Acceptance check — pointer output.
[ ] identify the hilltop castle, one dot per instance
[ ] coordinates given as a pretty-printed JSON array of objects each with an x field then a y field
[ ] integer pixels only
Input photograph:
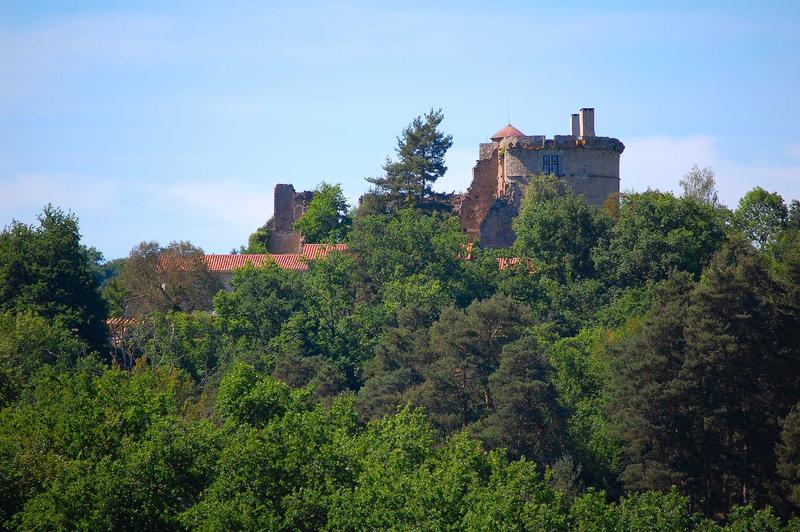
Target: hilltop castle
[{"x": 588, "y": 163}]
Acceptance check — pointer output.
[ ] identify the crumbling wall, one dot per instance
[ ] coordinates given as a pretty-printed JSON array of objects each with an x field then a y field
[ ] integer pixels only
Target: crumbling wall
[
  {"x": 481, "y": 193},
  {"x": 495, "y": 229},
  {"x": 283, "y": 217},
  {"x": 289, "y": 207}
]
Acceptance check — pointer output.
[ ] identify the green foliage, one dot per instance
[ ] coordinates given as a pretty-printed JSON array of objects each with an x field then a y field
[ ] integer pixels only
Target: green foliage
[
  {"x": 190, "y": 341},
  {"x": 623, "y": 378},
  {"x": 326, "y": 218},
  {"x": 115, "y": 296},
  {"x": 258, "y": 241},
  {"x": 331, "y": 322},
  {"x": 556, "y": 227},
  {"x": 66, "y": 425},
  {"x": 108, "y": 450},
  {"x": 525, "y": 416},
  {"x": 656, "y": 233},
  {"x": 393, "y": 248},
  {"x": 788, "y": 454},
  {"x": 582, "y": 370},
  {"x": 684, "y": 386},
  {"x": 471, "y": 369},
  {"x": 245, "y": 396},
  {"x": 27, "y": 342},
  {"x": 45, "y": 270},
  {"x": 761, "y": 215},
  {"x": 421, "y": 149},
  {"x": 261, "y": 300}
]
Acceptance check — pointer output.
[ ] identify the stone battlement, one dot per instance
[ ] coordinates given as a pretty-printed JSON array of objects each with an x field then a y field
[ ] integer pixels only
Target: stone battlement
[{"x": 558, "y": 142}]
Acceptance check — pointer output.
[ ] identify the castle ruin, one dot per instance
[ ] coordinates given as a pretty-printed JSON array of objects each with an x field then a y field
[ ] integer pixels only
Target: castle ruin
[
  {"x": 588, "y": 163},
  {"x": 289, "y": 207}
]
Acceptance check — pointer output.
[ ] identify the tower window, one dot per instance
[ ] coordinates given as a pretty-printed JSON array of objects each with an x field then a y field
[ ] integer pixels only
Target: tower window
[{"x": 551, "y": 164}]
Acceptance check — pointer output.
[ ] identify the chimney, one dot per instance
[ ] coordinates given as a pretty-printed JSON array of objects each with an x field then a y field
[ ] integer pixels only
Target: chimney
[
  {"x": 575, "y": 124},
  {"x": 587, "y": 121}
]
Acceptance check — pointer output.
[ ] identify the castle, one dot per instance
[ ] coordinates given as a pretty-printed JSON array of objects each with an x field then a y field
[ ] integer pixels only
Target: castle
[
  {"x": 289, "y": 207},
  {"x": 588, "y": 163}
]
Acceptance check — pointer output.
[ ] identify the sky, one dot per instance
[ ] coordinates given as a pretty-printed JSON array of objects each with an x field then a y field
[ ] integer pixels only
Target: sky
[{"x": 174, "y": 120}]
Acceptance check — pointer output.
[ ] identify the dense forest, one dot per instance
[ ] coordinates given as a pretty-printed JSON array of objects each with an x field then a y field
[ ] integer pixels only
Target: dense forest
[{"x": 631, "y": 367}]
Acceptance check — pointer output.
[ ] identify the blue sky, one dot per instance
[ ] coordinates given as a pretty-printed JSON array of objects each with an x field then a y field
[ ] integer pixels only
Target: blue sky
[{"x": 174, "y": 120}]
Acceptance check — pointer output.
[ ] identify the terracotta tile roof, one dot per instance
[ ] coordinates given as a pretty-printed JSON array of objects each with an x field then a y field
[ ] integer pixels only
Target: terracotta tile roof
[
  {"x": 299, "y": 261},
  {"x": 223, "y": 263},
  {"x": 320, "y": 251},
  {"x": 228, "y": 263},
  {"x": 508, "y": 131},
  {"x": 120, "y": 322},
  {"x": 290, "y": 261},
  {"x": 287, "y": 261}
]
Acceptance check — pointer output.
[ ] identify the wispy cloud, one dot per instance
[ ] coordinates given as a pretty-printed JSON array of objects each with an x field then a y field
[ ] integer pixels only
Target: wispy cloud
[
  {"x": 115, "y": 214},
  {"x": 660, "y": 162}
]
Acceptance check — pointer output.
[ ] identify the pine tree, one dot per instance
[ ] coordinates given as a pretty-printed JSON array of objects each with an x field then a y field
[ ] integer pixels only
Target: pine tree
[{"x": 421, "y": 148}]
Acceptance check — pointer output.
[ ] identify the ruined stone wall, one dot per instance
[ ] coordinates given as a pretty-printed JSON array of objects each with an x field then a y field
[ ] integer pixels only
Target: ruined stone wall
[
  {"x": 590, "y": 165},
  {"x": 289, "y": 207},
  {"x": 285, "y": 242},
  {"x": 481, "y": 193},
  {"x": 283, "y": 217},
  {"x": 495, "y": 229}
]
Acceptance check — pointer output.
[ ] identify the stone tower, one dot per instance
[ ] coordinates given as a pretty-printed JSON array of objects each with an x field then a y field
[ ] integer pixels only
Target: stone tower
[
  {"x": 588, "y": 163},
  {"x": 289, "y": 207}
]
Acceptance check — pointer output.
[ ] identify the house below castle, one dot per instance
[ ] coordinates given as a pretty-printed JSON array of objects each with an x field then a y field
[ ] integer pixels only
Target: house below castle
[{"x": 588, "y": 163}]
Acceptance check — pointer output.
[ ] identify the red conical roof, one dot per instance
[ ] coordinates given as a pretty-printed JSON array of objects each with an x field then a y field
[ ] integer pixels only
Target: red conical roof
[{"x": 508, "y": 131}]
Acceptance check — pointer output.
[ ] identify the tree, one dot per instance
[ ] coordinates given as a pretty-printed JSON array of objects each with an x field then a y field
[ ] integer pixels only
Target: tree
[
  {"x": 557, "y": 227},
  {"x": 330, "y": 321},
  {"x": 445, "y": 368},
  {"x": 326, "y": 218},
  {"x": 698, "y": 394},
  {"x": 761, "y": 216},
  {"x": 395, "y": 247},
  {"x": 646, "y": 406},
  {"x": 656, "y": 233},
  {"x": 700, "y": 184},
  {"x": 260, "y": 302},
  {"x": 526, "y": 417},
  {"x": 743, "y": 364},
  {"x": 421, "y": 148},
  {"x": 46, "y": 270},
  {"x": 27, "y": 342},
  {"x": 245, "y": 396},
  {"x": 190, "y": 341},
  {"x": 174, "y": 278},
  {"x": 788, "y": 454},
  {"x": 258, "y": 241}
]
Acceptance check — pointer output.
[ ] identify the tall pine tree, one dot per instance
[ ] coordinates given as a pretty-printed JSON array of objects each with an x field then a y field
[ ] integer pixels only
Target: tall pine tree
[{"x": 421, "y": 148}]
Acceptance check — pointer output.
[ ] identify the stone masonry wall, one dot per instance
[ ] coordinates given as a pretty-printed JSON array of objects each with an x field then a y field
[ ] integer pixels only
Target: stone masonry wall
[
  {"x": 289, "y": 207},
  {"x": 589, "y": 164},
  {"x": 480, "y": 195},
  {"x": 283, "y": 217}
]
